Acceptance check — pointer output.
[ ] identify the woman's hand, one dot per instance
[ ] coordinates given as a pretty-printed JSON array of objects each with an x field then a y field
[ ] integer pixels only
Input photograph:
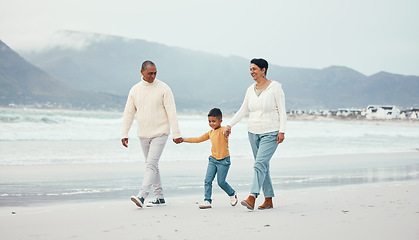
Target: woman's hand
[
  {"x": 124, "y": 142},
  {"x": 227, "y": 131},
  {"x": 280, "y": 138}
]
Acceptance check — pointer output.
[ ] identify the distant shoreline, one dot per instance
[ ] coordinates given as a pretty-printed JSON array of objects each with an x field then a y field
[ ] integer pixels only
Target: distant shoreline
[
  {"x": 309, "y": 117},
  {"x": 28, "y": 185},
  {"x": 290, "y": 117}
]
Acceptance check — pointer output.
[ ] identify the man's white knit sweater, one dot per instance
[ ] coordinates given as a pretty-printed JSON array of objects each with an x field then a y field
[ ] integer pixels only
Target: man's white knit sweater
[{"x": 154, "y": 105}]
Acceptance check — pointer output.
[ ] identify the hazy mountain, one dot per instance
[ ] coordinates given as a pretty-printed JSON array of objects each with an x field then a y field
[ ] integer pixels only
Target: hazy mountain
[
  {"x": 390, "y": 88},
  {"x": 111, "y": 64},
  {"x": 23, "y": 83},
  {"x": 200, "y": 80}
]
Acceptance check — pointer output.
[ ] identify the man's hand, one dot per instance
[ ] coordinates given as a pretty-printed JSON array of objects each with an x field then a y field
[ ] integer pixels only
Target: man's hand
[
  {"x": 280, "y": 138},
  {"x": 178, "y": 140},
  {"x": 227, "y": 131},
  {"x": 124, "y": 142}
]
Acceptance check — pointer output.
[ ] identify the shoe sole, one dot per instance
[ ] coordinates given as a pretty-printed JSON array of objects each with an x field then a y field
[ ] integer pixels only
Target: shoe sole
[
  {"x": 156, "y": 205},
  {"x": 263, "y": 208},
  {"x": 138, "y": 203},
  {"x": 244, "y": 203},
  {"x": 236, "y": 200},
  {"x": 204, "y": 207}
]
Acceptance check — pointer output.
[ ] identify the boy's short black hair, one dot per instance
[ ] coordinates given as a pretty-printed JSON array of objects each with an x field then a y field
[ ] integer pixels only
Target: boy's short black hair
[{"x": 215, "y": 112}]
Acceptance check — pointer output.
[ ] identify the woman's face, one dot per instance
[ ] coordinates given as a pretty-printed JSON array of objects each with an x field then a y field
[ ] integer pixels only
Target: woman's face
[{"x": 256, "y": 72}]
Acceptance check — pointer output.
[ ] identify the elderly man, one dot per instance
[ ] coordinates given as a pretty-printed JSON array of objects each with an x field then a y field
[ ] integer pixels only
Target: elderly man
[{"x": 153, "y": 103}]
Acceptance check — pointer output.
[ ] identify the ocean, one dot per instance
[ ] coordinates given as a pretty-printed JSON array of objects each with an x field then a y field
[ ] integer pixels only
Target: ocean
[{"x": 309, "y": 156}]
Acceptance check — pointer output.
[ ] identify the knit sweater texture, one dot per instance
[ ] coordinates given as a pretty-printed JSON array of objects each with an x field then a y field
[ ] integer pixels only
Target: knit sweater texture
[
  {"x": 154, "y": 105},
  {"x": 267, "y": 111},
  {"x": 219, "y": 149}
]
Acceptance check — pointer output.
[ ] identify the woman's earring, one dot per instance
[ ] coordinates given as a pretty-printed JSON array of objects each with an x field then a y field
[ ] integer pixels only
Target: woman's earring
[{"x": 263, "y": 76}]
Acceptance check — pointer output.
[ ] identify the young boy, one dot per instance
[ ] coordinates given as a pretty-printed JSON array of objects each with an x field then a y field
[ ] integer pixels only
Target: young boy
[{"x": 219, "y": 161}]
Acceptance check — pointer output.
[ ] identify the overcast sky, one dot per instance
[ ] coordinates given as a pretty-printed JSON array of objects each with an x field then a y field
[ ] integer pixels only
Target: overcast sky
[{"x": 366, "y": 35}]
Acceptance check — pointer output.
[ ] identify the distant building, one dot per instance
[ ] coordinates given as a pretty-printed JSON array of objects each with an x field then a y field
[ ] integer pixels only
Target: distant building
[
  {"x": 382, "y": 112},
  {"x": 413, "y": 113},
  {"x": 332, "y": 113},
  {"x": 371, "y": 112},
  {"x": 325, "y": 113},
  {"x": 345, "y": 112},
  {"x": 295, "y": 112}
]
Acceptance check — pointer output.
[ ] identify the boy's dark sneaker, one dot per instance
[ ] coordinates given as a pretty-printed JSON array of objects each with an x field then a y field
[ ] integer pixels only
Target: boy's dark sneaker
[
  {"x": 156, "y": 203},
  {"x": 138, "y": 201}
]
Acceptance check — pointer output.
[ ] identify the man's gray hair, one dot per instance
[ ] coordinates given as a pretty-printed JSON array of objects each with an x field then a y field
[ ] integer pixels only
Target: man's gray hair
[{"x": 146, "y": 64}]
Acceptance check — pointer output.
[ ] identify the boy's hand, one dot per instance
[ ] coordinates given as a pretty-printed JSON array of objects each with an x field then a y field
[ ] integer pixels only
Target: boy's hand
[
  {"x": 227, "y": 131},
  {"x": 178, "y": 140}
]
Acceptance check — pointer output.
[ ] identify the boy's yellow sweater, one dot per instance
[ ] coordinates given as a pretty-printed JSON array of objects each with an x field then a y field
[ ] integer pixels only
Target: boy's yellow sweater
[{"x": 219, "y": 149}]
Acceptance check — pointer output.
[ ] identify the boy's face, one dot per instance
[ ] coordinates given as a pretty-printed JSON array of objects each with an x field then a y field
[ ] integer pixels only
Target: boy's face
[{"x": 214, "y": 122}]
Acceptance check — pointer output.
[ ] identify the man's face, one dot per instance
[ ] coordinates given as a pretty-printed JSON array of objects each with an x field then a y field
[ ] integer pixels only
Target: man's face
[{"x": 149, "y": 74}]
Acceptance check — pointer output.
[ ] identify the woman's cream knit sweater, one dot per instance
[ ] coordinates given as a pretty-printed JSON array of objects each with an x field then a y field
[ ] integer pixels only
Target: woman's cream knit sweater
[{"x": 267, "y": 111}]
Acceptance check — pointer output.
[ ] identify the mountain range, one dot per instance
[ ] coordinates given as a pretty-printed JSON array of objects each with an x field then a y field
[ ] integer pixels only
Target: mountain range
[
  {"x": 104, "y": 66},
  {"x": 22, "y": 83}
]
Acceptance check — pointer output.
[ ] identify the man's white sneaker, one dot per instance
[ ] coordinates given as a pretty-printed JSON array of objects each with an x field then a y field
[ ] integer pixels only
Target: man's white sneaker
[
  {"x": 138, "y": 201},
  {"x": 233, "y": 200},
  {"x": 205, "y": 205}
]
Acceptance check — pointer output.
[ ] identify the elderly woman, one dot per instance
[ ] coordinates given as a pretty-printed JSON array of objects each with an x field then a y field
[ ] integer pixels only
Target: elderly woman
[{"x": 266, "y": 128}]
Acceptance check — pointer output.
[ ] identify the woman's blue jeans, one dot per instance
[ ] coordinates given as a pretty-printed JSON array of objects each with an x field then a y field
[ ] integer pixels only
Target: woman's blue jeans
[
  {"x": 263, "y": 147},
  {"x": 219, "y": 168}
]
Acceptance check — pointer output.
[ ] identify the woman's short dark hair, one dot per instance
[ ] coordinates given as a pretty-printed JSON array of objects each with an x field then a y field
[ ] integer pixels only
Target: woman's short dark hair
[
  {"x": 215, "y": 112},
  {"x": 261, "y": 63}
]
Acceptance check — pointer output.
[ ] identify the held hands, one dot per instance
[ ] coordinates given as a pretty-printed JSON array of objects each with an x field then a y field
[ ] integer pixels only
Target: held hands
[
  {"x": 178, "y": 140},
  {"x": 227, "y": 131}
]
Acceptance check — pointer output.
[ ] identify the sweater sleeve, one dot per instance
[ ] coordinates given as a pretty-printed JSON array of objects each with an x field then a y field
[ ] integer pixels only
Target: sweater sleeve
[
  {"x": 282, "y": 112},
  {"x": 170, "y": 107},
  {"x": 242, "y": 112},
  {"x": 129, "y": 114},
  {"x": 202, "y": 138}
]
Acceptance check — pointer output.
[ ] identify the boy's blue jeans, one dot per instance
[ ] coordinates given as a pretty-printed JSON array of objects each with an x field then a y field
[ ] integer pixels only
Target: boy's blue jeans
[
  {"x": 219, "y": 168},
  {"x": 263, "y": 147}
]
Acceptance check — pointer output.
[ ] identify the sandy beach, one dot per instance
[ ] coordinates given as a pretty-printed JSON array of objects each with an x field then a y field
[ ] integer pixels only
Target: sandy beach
[
  {"x": 369, "y": 211},
  {"x": 370, "y": 205}
]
